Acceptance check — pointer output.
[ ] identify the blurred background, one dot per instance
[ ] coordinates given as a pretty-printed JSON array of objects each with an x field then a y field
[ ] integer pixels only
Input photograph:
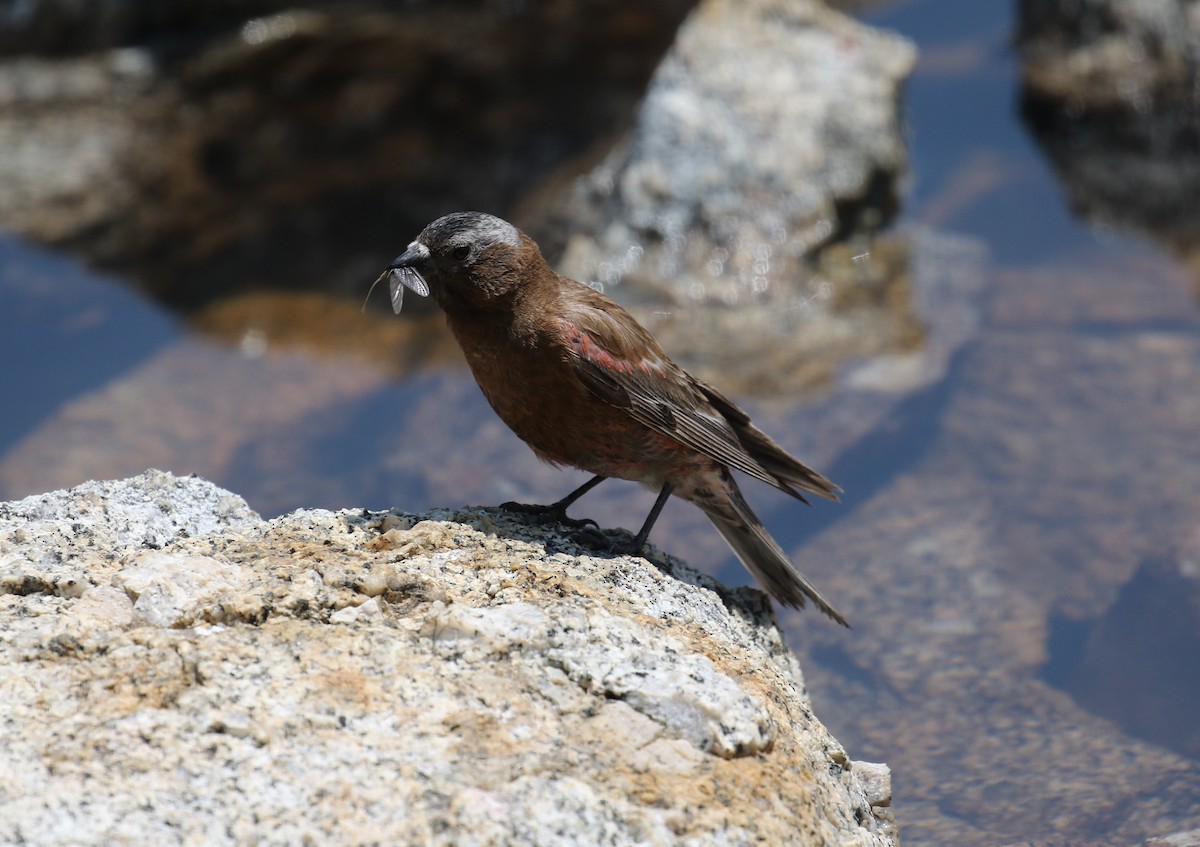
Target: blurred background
[{"x": 945, "y": 252}]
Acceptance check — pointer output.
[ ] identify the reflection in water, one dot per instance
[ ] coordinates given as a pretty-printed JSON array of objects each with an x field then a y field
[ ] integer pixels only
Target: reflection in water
[
  {"x": 63, "y": 330},
  {"x": 1136, "y": 664}
]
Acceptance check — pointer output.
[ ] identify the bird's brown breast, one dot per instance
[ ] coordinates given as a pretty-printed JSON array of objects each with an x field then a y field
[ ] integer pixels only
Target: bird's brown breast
[{"x": 522, "y": 367}]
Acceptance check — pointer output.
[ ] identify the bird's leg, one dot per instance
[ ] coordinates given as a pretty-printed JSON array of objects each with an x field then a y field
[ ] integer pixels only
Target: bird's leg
[
  {"x": 557, "y": 512},
  {"x": 639, "y": 540}
]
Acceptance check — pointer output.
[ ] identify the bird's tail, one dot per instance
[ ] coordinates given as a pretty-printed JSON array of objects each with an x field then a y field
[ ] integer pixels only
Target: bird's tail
[{"x": 757, "y": 550}]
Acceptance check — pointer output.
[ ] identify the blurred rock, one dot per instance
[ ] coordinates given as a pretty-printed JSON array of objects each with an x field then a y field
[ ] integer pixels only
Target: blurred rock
[
  {"x": 1121, "y": 53},
  {"x": 69, "y": 128},
  {"x": 207, "y": 154},
  {"x": 770, "y": 131},
  {"x": 450, "y": 678},
  {"x": 301, "y": 149},
  {"x": 1109, "y": 91}
]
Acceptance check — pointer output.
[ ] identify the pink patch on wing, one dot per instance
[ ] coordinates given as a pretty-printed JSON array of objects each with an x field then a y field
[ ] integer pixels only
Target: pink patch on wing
[{"x": 588, "y": 349}]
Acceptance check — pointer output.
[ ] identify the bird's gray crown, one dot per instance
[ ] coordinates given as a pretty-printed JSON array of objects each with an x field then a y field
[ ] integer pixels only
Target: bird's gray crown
[{"x": 473, "y": 228}]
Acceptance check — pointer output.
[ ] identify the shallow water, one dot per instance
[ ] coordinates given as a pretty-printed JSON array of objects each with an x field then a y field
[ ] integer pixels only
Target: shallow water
[
  {"x": 1019, "y": 542},
  {"x": 1022, "y": 542}
]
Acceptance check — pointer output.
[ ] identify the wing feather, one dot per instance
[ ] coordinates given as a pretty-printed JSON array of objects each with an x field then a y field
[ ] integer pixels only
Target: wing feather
[{"x": 622, "y": 364}]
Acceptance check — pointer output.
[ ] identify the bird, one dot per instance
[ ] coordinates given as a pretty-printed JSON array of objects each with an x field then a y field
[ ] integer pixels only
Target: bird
[{"x": 583, "y": 384}]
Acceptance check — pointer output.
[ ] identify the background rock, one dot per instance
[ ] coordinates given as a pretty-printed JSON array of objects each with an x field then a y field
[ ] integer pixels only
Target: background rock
[
  {"x": 213, "y": 155},
  {"x": 1109, "y": 90},
  {"x": 769, "y": 131},
  {"x": 454, "y": 678},
  {"x": 209, "y": 152}
]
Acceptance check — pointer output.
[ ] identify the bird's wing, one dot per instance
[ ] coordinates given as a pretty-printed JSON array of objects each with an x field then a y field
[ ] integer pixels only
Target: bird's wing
[
  {"x": 769, "y": 455},
  {"x": 622, "y": 364}
]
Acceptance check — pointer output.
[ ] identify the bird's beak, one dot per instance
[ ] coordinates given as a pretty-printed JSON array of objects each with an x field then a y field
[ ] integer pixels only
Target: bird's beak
[
  {"x": 405, "y": 272},
  {"x": 416, "y": 255}
]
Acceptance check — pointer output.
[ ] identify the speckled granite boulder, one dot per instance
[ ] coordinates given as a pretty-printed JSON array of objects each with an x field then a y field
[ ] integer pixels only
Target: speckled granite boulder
[{"x": 177, "y": 670}]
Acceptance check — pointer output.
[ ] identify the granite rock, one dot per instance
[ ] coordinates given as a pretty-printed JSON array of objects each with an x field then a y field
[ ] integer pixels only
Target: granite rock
[{"x": 448, "y": 678}]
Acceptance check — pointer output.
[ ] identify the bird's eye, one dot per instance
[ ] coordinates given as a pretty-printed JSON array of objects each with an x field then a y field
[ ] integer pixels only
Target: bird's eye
[{"x": 461, "y": 253}]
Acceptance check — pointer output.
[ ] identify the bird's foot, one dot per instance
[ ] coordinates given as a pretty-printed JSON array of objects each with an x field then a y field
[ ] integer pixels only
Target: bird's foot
[{"x": 553, "y": 513}]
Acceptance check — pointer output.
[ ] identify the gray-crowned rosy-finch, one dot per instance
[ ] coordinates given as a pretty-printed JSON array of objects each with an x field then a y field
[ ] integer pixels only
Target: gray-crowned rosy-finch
[{"x": 580, "y": 381}]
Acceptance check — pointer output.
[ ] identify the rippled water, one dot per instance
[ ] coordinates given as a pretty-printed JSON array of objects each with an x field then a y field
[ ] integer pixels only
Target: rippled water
[{"x": 1019, "y": 545}]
